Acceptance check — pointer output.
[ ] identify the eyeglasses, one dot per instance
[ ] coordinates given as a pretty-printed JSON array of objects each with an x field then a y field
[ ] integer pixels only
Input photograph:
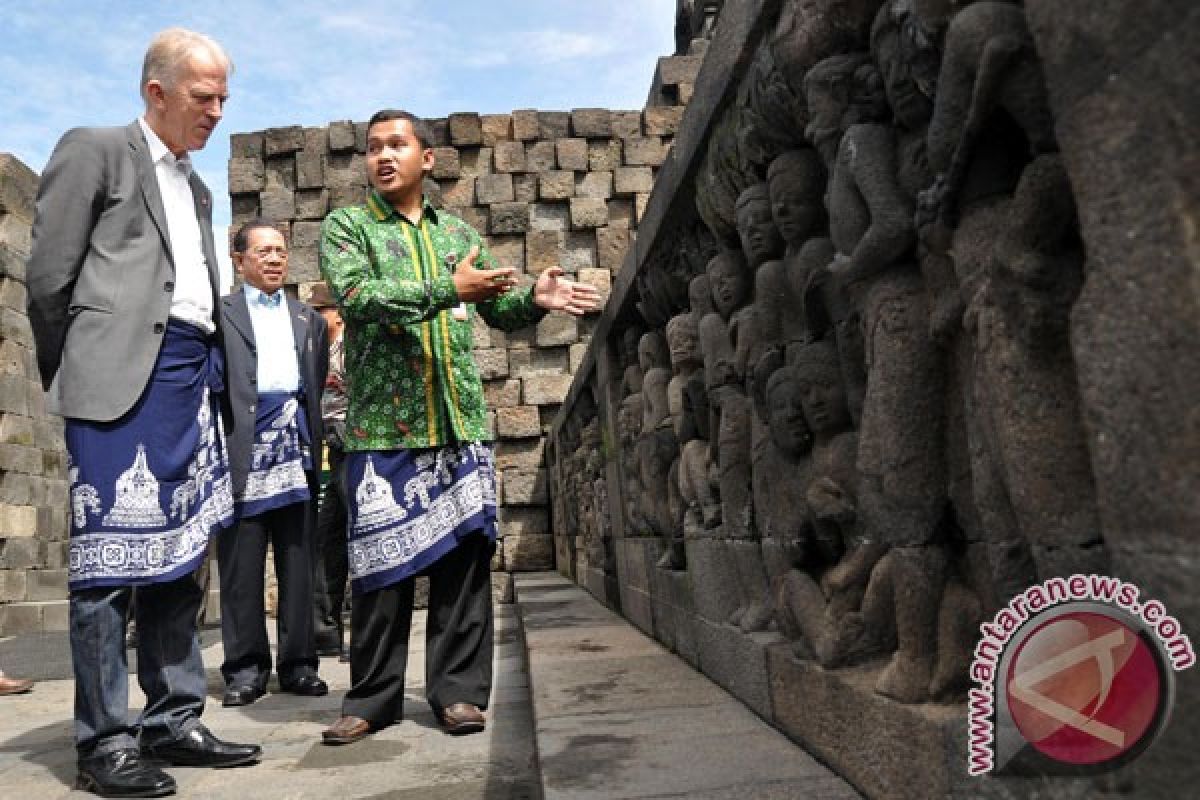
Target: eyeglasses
[{"x": 264, "y": 252}]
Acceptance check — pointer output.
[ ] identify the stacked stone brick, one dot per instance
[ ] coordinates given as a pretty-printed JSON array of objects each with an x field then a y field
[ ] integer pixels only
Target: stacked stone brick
[
  {"x": 545, "y": 188},
  {"x": 33, "y": 486}
]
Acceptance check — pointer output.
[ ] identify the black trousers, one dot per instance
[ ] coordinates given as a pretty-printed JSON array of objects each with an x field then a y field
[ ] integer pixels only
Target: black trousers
[
  {"x": 332, "y": 569},
  {"x": 458, "y": 638},
  {"x": 242, "y": 557}
]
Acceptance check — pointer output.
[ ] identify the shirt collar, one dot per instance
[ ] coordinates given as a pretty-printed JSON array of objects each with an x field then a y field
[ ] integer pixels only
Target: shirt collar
[
  {"x": 256, "y": 297},
  {"x": 159, "y": 151},
  {"x": 382, "y": 210}
]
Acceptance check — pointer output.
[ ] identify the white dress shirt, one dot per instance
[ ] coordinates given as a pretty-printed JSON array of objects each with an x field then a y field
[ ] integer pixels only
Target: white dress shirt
[
  {"x": 192, "y": 298},
  {"x": 278, "y": 364}
]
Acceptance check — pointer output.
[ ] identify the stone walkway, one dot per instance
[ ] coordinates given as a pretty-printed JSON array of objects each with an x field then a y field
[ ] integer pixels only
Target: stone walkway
[{"x": 612, "y": 714}]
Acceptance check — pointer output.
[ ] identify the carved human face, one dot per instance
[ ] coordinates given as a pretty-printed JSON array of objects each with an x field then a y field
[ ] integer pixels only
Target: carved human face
[
  {"x": 785, "y": 417},
  {"x": 684, "y": 342},
  {"x": 700, "y": 296},
  {"x": 730, "y": 285},
  {"x": 797, "y": 205},
  {"x": 827, "y": 101},
  {"x": 824, "y": 402},
  {"x": 908, "y": 62},
  {"x": 651, "y": 352},
  {"x": 756, "y": 230}
]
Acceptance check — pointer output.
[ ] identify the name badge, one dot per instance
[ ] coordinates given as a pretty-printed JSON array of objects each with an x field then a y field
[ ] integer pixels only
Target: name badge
[{"x": 459, "y": 312}]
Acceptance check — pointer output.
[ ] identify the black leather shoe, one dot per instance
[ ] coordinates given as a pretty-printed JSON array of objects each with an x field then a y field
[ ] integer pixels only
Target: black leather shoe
[
  {"x": 199, "y": 748},
  {"x": 306, "y": 686},
  {"x": 123, "y": 773},
  {"x": 240, "y": 695}
]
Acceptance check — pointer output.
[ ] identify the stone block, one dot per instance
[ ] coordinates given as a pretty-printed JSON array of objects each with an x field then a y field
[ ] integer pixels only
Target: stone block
[
  {"x": 712, "y": 572},
  {"x": 439, "y": 131},
  {"x": 549, "y": 217},
  {"x": 525, "y": 488},
  {"x": 46, "y": 585},
  {"x": 280, "y": 172},
  {"x": 246, "y": 145},
  {"x": 592, "y": 123},
  {"x": 542, "y": 250},
  {"x": 631, "y": 180},
  {"x": 246, "y": 175},
  {"x": 306, "y": 234},
  {"x": 503, "y": 587},
  {"x": 601, "y": 279},
  {"x": 19, "y": 458},
  {"x": 459, "y": 192},
  {"x": 576, "y": 354},
  {"x": 640, "y": 201},
  {"x": 544, "y": 390},
  {"x": 20, "y": 553},
  {"x": 347, "y": 196},
  {"x": 17, "y": 520},
  {"x": 525, "y": 187},
  {"x": 588, "y": 212},
  {"x": 20, "y": 618},
  {"x": 283, "y": 140},
  {"x": 310, "y": 169},
  {"x": 13, "y": 293},
  {"x": 56, "y": 616},
  {"x": 445, "y": 163},
  {"x": 626, "y": 124},
  {"x": 509, "y": 156},
  {"x": 16, "y": 236},
  {"x": 525, "y": 125},
  {"x": 509, "y": 251},
  {"x": 504, "y": 393},
  {"x": 360, "y": 138},
  {"x": 475, "y": 216},
  {"x": 16, "y": 429},
  {"x": 621, "y": 213},
  {"x": 737, "y": 662},
  {"x": 662, "y": 120},
  {"x": 594, "y": 184},
  {"x": 611, "y": 247},
  {"x": 674, "y": 613},
  {"x": 516, "y": 422},
  {"x": 496, "y": 188},
  {"x": 244, "y": 208},
  {"x": 578, "y": 251},
  {"x": 495, "y": 128},
  {"x": 341, "y": 136},
  {"x": 556, "y": 330},
  {"x": 466, "y": 129},
  {"x": 12, "y": 585},
  {"x": 520, "y": 454},
  {"x": 554, "y": 125},
  {"x": 523, "y": 361},
  {"x": 572, "y": 154},
  {"x": 493, "y": 363},
  {"x": 14, "y": 394},
  {"x": 277, "y": 204},
  {"x": 316, "y": 140},
  {"x": 556, "y": 185},
  {"x": 540, "y": 157},
  {"x": 529, "y": 553},
  {"x": 312, "y": 203},
  {"x": 475, "y": 160},
  {"x": 645, "y": 151},
  {"x": 604, "y": 155},
  {"x": 509, "y": 218},
  {"x": 345, "y": 170}
]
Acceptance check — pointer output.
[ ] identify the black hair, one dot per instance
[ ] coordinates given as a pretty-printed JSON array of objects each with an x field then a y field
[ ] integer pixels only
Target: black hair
[
  {"x": 419, "y": 126},
  {"x": 241, "y": 239}
]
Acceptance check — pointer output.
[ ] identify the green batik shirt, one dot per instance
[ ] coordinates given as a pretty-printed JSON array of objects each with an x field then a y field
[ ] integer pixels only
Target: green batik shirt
[{"x": 411, "y": 377}]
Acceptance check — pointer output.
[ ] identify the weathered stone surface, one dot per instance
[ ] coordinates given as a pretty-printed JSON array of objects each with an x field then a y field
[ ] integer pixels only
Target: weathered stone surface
[
  {"x": 277, "y": 204},
  {"x": 621, "y": 213},
  {"x": 509, "y": 251},
  {"x": 540, "y": 156},
  {"x": 525, "y": 187},
  {"x": 246, "y": 174},
  {"x": 16, "y": 521},
  {"x": 490, "y": 189},
  {"x": 345, "y": 170},
  {"x": 595, "y": 184},
  {"x": 529, "y": 552},
  {"x": 305, "y": 234},
  {"x": 549, "y": 217},
  {"x": 626, "y": 124},
  {"x": 557, "y": 329},
  {"x": 645, "y": 151},
  {"x": 604, "y": 155},
  {"x": 662, "y": 120},
  {"x": 577, "y": 352},
  {"x": 445, "y": 163},
  {"x": 475, "y": 160},
  {"x": 572, "y": 154},
  {"x": 525, "y": 487},
  {"x": 509, "y": 156},
  {"x": 247, "y": 145},
  {"x": 516, "y": 422},
  {"x": 475, "y": 216},
  {"x": 503, "y": 393},
  {"x": 466, "y": 129},
  {"x": 341, "y": 136},
  {"x": 601, "y": 279},
  {"x": 588, "y": 212},
  {"x": 310, "y": 169},
  {"x": 520, "y": 454},
  {"x": 509, "y": 218},
  {"x": 495, "y": 128},
  {"x": 458, "y": 193},
  {"x": 632, "y": 180},
  {"x": 554, "y": 125},
  {"x": 591, "y": 123},
  {"x": 556, "y": 185},
  {"x": 280, "y": 172},
  {"x": 283, "y": 140},
  {"x": 493, "y": 363},
  {"x": 611, "y": 245},
  {"x": 545, "y": 389},
  {"x": 543, "y": 250},
  {"x": 525, "y": 361},
  {"x": 525, "y": 125},
  {"x": 347, "y": 196}
]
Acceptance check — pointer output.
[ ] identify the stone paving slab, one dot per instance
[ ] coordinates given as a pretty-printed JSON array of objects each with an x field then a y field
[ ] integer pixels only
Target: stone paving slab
[
  {"x": 412, "y": 759},
  {"x": 619, "y": 717}
]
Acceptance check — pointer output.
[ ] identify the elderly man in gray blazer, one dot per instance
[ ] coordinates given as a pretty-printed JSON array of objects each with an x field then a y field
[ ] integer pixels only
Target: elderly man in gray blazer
[{"x": 122, "y": 292}]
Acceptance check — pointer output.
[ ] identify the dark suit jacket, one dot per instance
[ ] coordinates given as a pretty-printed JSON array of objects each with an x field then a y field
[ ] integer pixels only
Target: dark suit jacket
[
  {"x": 241, "y": 376},
  {"x": 101, "y": 272}
]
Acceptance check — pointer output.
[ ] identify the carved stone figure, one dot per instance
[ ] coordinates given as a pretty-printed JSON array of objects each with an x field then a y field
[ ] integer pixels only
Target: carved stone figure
[{"x": 656, "y": 374}]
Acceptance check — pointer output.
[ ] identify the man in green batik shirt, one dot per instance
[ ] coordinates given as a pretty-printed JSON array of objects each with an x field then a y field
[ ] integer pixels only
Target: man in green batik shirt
[{"x": 407, "y": 279}]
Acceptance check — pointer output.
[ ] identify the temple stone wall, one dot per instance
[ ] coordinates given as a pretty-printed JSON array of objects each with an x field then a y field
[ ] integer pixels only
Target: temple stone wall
[
  {"x": 33, "y": 485},
  {"x": 911, "y": 324},
  {"x": 545, "y": 188}
]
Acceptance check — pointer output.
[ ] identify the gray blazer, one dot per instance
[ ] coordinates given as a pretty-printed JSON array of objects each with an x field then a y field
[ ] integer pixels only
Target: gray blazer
[
  {"x": 101, "y": 273},
  {"x": 241, "y": 375}
]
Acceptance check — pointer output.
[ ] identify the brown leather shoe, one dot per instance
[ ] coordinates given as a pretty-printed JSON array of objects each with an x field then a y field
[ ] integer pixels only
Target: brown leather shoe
[
  {"x": 462, "y": 718},
  {"x": 14, "y": 685},
  {"x": 346, "y": 730}
]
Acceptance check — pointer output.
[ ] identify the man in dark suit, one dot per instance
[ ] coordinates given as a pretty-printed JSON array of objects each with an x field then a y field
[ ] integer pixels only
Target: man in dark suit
[
  {"x": 122, "y": 288},
  {"x": 277, "y": 353}
]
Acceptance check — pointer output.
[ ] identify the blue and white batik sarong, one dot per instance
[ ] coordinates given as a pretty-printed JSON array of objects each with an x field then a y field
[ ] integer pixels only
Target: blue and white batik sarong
[
  {"x": 281, "y": 455},
  {"x": 408, "y": 508},
  {"x": 149, "y": 489}
]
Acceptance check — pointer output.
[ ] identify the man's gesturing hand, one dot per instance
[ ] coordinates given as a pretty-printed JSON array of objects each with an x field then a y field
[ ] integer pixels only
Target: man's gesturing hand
[
  {"x": 474, "y": 285},
  {"x": 556, "y": 293}
]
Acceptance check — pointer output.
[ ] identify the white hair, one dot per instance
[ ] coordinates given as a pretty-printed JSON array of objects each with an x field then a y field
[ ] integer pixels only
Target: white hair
[{"x": 169, "y": 50}]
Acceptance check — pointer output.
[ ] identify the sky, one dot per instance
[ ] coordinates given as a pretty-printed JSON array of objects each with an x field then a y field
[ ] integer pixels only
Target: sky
[{"x": 67, "y": 63}]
